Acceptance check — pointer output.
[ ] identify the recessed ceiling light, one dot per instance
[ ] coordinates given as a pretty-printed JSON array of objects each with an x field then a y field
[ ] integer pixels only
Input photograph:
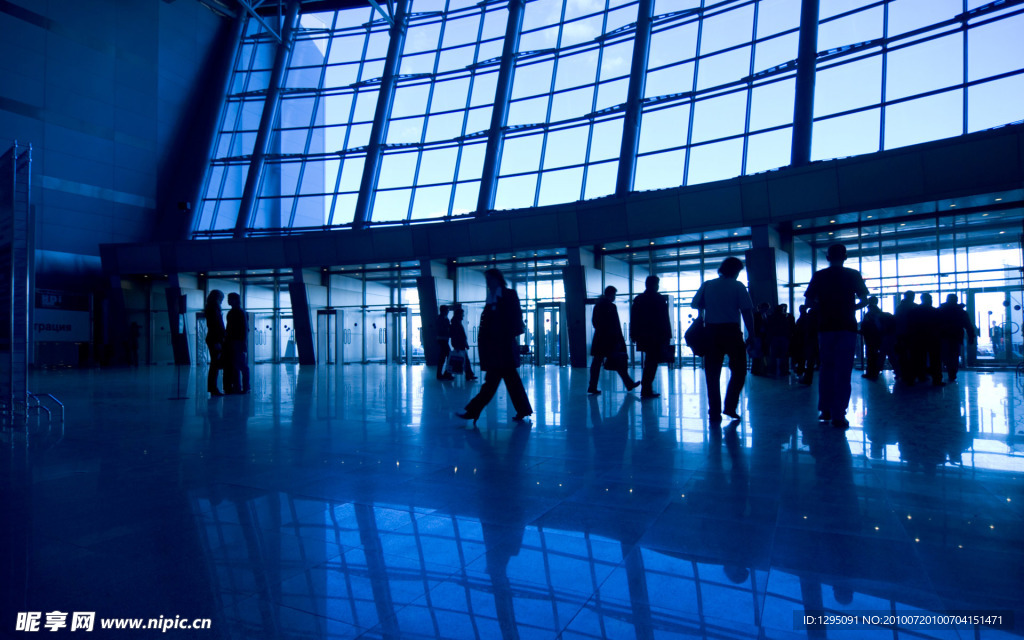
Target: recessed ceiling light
[
  {"x": 831, "y": 221},
  {"x": 910, "y": 211},
  {"x": 627, "y": 246},
  {"x": 799, "y": 226},
  {"x": 652, "y": 241},
  {"x": 953, "y": 205},
  {"x": 869, "y": 217},
  {"x": 999, "y": 199}
]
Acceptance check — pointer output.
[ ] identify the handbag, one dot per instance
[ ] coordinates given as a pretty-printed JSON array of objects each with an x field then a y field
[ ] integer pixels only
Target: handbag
[
  {"x": 697, "y": 337},
  {"x": 457, "y": 361},
  {"x": 616, "y": 361}
]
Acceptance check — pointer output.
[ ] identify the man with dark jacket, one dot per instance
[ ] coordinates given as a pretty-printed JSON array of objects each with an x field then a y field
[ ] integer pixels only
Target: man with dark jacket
[
  {"x": 651, "y": 330},
  {"x": 444, "y": 333},
  {"x": 608, "y": 343},
  {"x": 953, "y": 323}
]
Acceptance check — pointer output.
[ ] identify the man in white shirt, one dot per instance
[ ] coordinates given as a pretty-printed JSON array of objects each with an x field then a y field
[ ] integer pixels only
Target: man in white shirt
[{"x": 723, "y": 301}]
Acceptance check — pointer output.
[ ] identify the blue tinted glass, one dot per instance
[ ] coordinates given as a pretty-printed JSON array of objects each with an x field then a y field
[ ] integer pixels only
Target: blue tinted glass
[
  {"x": 391, "y": 206},
  {"x": 445, "y": 127},
  {"x": 672, "y": 45},
  {"x": 521, "y": 154},
  {"x": 716, "y": 161},
  {"x": 606, "y": 140},
  {"x": 995, "y": 103},
  {"x": 560, "y": 186},
  {"x": 925, "y": 66},
  {"x": 531, "y": 111},
  {"x": 431, "y": 202},
  {"x": 925, "y": 119},
  {"x": 351, "y": 174},
  {"x": 466, "y": 194},
  {"x": 616, "y": 60},
  {"x": 728, "y": 29},
  {"x": 516, "y": 193},
  {"x": 566, "y": 147},
  {"x": 776, "y": 51},
  {"x": 410, "y": 100},
  {"x": 572, "y": 104},
  {"x": 601, "y": 179},
  {"x": 659, "y": 171},
  {"x": 450, "y": 94},
  {"x": 583, "y": 30},
  {"x": 420, "y": 37},
  {"x": 344, "y": 209},
  {"x": 858, "y": 27},
  {"x": 663, "y": 82},
  {"x": 610, "y": 94},
  {"x": 577, "y": 70},
  {"x": 849, "y": 135},
  {"x": 471, "y": 164},
  {"x": 438, "y": 165},
  {"x": 719, "y": 117},
  {"x": 461, "y": 30},
  {"x": 829, "y": 8},
  {"x": 664, "y": 128},
  {"x": 396, "y": 170},
  {"x": 405, "y": 130},
  {"x": 908, "y": 15},
  {"x": 776, "y": 16},
  {"x": 995, "y": 48},
  {"x": 769, "y": 150},
  {"x": 848, "y": 86},
  {"x": 532, "y": 79},
  {"x": 772, "y": 105},
  {"x": 723, "y": 68}
]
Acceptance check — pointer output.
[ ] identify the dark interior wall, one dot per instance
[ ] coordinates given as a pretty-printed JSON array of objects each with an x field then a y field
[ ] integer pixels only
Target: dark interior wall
[{"x": 105, "y": 91}]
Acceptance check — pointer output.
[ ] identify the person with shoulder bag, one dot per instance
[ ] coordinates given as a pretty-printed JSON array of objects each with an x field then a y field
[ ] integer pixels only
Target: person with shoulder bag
[{"x": 609, "y": 345}]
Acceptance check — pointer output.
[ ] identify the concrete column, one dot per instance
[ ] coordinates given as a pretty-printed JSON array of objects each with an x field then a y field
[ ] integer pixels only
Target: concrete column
[
  {"x": 806, "y": 61},
  {"x": 302, "y": 320},
  {"x": 763, "y": 261},
  {"x": 574, "y": 277},
  {"x": 434, "y": 290}
]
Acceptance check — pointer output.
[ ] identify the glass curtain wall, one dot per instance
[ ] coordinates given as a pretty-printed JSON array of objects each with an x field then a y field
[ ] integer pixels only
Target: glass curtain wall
[{"x": 719, "y": 90}]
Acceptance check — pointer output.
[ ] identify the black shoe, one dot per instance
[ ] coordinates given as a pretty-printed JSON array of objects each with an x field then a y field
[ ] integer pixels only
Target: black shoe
[
  {"x": 841, "y": 423},
  {"x": 633, "y": 386},
  {"x": 938, "y": 383},
  {"x": 470, "y": 378},
  {"x": 465, "y": 415},
  {"x": 593, "y": 392},
  {"x": 215, "y": 392},
  {"x": 715, "y": 418},
  {"x": 521, "y": 417},
  {"x": 825, "y": 416},
  {"x": 649, "y": 395},
  {"x": 732, "y": 414}
]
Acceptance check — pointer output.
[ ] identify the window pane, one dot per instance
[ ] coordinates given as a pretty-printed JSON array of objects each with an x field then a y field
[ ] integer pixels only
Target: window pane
[
  {"x": 924, "y": 67},
  {"x": 516, "y": 193},
  {"x": 995, "y": 48},
  {"x": 672, "y": 45},
  {"x": 572, "y": 104},
  {"x": 601, "y": 179},
  {"x": 772, "y": 105},
  {"x": 410, "y": 100},
  {"x": 931, "y": 118},
  {"x": 607, "y": 140},
  {"x": 449, "y": 95},
  {"x": 775, "y": 16},
  {"x": 723, "y": 68},
  {"x": 616, "y": 60},
  {"x": 659, "y": 171},
  {"x": 719, "y": 117},
  {"x": 466, "y": 195},
  {"x": 995, "y": 103},
  {"x": 664, "y": 128},
  {"x": 396, "y": 170},
  {"x": 907, "y": 15},
  {"x": 848, "y": 86},
  {"x": 727, "y": 29},
  {"x": 675, "y": 79},
  {"x": 846, "y": 135},
  {"x": 769, "y": 150},
  {"x": 431, "y": 202},
  {"x": 717, "y": 161},
  {"x": 438, "y": 165},
  {"x": 560, "y": 186},
  {"x": 471, "y": 164},
  {"x": 405, "y": 130},
  {"x": 391, "y": 206},
  {"x": 521, "y": 154},
  {"x": 445, "y": 127},
  {"x": 859, "y": 27},
  {"x": 610, "y": 94},
  {"x": 532, "y": 79},
  {"x": 577, "y": 70},
  {"x": 774, "y": 52},
  {"x": 532, "y": 111},
  {"x": 566, "y": 147}
]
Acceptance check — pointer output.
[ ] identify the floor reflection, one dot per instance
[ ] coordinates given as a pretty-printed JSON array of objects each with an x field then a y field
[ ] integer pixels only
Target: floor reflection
[{"x": 346, "y": 502}]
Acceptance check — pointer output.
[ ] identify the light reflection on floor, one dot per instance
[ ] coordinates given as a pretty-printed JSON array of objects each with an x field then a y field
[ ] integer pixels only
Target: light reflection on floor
[{"x": 346, "y": 502}]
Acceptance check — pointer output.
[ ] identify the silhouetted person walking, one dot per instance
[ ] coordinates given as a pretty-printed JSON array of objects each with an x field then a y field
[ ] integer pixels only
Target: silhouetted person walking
[
  {"x": 723, "y": 301},
  {"x": 953, "y": 323},
  {"x": 444, "y": 333},
  {"x": 608, "y": 343},
  {"x": 904, "y": 364},
  {"x": 872, "y": 331},
  {"x": 501, "y": 324},
  {"x": 807, "y": 334},
  {"x": 651, "y": 330},
  {"x": 236, "y": 348},
  {"x": 925, "y": 348},
  {"x": 833, "y": 293},
  {"x": 214, "y": 338},
  {"x": 460, "y": 342}
]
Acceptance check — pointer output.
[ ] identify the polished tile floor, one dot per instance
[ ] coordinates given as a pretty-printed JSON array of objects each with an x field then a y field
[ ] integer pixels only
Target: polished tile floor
[{"x": 347, "y": 502}]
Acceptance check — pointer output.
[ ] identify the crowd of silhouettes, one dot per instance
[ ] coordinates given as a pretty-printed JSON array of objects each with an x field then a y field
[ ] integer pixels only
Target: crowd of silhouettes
[
  {"x": 919, "y": 340},
  {"x": 227, "y": 344}
]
